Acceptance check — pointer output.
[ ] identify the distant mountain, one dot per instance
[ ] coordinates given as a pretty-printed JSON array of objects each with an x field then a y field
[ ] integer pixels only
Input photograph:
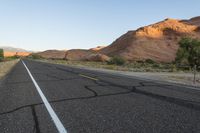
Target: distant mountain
[
  {"x": 11, "y": 51},
  {"x": 158, "y": 41}
]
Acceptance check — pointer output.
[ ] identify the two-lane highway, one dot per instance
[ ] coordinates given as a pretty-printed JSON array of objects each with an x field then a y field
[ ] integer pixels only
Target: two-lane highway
[{"x": 85, "y": 101}]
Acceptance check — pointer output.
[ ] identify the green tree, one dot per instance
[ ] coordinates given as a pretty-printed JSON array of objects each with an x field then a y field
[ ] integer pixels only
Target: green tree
[
  {"x": 189, "y": 52},
  {"x": 1, "y": 55}
]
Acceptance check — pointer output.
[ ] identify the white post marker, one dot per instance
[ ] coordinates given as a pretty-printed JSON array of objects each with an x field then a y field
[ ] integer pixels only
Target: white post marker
[{"x": 52, "y": 113}]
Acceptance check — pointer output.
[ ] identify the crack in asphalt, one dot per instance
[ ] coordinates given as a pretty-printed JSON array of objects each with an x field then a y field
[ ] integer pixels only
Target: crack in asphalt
[
  {"x": 89, "y": 89},
  {"x": 36, "y": 128},
  {"x": 186, "y": 103},
  {"x": 181, "y": 102},
  {"x": 103, "y": 83},
  {"x": 61, "y": 100}
]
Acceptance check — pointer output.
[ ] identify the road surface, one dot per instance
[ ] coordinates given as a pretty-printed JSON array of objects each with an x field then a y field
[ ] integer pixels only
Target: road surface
[{"x": 85, "y": 101}]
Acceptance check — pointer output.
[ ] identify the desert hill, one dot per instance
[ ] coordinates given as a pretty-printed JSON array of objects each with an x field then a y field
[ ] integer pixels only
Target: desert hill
[
  {"x": 97, "y": 48},
  {"x": 78, "y": 54},
  {"x": 74, "y": 54},
  {"x": 11, "y": 51},
  {"x": 158, "y": 41},
  {"x": 194, "y": 21},
  {"x": 52, "y": 54}
]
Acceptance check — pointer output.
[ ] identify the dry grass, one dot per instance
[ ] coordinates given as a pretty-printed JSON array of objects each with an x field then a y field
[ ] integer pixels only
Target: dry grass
[
  {"x": 131, "y": 67},
  {"x": 5, "y": 67}
]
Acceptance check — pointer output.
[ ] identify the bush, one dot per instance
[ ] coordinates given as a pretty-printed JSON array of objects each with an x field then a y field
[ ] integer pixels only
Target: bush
[
  {"x": 1, "y": 55},
  {"x": 116, "y": 61},
  {"x": 149, "y": 61}
]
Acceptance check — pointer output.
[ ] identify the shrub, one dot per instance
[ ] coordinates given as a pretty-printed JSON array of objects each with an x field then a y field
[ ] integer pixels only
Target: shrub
[
  {"x": 150, "y": 61},
  {"x": 116, "y": 61},
  {"x": 155, "y": 65},
  {"x": 1, "y": 55}
]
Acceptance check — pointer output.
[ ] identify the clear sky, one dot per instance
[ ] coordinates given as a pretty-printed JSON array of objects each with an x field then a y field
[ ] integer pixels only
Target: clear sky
[{"x": 67, "y": 24}]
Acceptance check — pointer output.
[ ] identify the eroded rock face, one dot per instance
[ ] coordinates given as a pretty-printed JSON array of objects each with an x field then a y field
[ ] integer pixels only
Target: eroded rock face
[
  {"x": 52, "y": 54},
  {"x": 158, "y": 42},
  {"x": 77, "y": 54}
]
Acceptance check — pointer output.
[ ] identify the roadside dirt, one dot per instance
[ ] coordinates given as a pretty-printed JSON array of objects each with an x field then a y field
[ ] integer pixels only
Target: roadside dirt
[{"x": 5, "y": 67}]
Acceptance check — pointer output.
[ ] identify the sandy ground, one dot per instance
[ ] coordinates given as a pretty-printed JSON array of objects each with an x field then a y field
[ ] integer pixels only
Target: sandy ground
[{"x": 5, "y": 67}]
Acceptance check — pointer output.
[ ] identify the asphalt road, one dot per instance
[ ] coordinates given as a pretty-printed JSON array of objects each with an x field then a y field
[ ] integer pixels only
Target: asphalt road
[{"x": 86, "y": 101}]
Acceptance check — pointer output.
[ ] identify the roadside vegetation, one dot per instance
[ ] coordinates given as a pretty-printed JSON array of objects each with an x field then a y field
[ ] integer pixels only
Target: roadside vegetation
[
  {"x": 116, "y": 61},
  {"x": 1, "y": 55},
  {"x": 189, "y": 53},
  {"x": 34, "y": 56},
  {"x": 138, "y": 66}
]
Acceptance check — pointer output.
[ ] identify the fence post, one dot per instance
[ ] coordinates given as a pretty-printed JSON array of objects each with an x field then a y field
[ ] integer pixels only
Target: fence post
[{"x": 195, "y": 68}]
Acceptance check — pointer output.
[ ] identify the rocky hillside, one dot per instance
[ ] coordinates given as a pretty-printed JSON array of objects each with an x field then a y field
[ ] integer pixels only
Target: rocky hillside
[
  {"x": 77, "y": 54},
  {"x": 52, "y": 54},
  {"x": 97, "y": 48},
  {"x": 158, "y": 42},
  {"x": 74, "y": 55}
]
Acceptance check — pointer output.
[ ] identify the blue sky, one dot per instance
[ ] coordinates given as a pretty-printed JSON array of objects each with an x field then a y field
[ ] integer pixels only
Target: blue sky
[{"x": 67, "y": 24}]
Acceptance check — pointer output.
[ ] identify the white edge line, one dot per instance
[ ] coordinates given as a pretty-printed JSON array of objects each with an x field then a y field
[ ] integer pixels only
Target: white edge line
[{"x": 52, "y": 113}]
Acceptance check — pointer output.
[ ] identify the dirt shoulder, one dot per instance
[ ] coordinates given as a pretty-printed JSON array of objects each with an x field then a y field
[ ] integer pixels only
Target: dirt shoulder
[
  {"x": 183, "y": 78},
  {"x": 5, "y": 67}
]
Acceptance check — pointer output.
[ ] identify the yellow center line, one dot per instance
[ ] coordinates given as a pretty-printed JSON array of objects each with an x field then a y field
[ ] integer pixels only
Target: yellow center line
[{"x": 88, "y": 77}]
